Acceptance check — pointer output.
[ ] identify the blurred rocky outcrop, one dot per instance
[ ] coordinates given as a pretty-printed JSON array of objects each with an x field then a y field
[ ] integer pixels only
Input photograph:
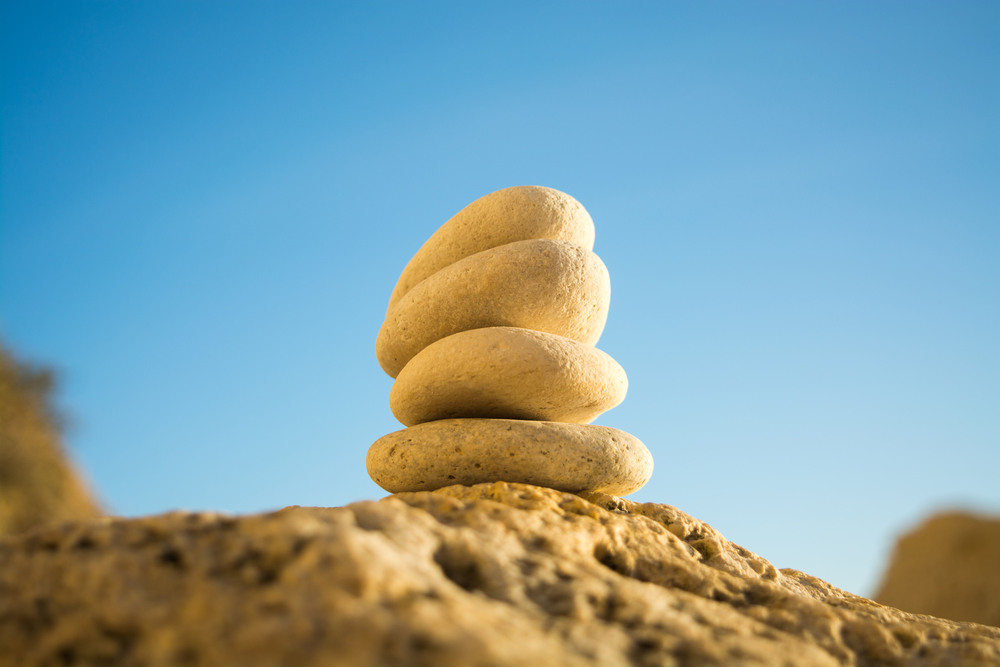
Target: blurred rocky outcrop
[
  {"x": 491, "y": 574},
  {"x": 38, "y": 484},
  {"x": 948, "y": 566}
]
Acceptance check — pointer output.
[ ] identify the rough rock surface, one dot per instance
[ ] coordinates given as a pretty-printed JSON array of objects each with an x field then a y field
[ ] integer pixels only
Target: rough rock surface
[
  {"x": 37, "y": 482},
  {"x": 507, "y": 373},
  {"x": 948, "y": 566},
  {"x": 496, "y": 574}
]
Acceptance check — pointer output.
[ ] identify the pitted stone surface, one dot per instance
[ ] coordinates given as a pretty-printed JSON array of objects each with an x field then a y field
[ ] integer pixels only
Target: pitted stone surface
[
  {"x": 499, "y": 574},
  {"x": 569, "y": 457},
  {"x": 512, "y": 214},
  {"x": 551, "y": 286},
  {"x": 507, "y": 372}
]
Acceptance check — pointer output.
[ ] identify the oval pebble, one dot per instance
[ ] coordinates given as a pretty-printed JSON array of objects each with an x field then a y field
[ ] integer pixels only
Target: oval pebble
[
  {"x": 547, "y": 285},
  {"x": 567, "y": 457},
  {"x": 501, "y": 217},
  {"x": 507, "y": 372}
]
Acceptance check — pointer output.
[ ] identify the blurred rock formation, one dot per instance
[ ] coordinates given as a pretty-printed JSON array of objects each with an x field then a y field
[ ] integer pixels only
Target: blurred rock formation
[
  {"x": 948, "y": 566},
  {"x": 38, "y": 484}
]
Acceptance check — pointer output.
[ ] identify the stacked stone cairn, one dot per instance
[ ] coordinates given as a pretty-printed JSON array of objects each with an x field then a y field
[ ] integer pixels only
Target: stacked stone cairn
[{"x": 490, "y": 336}]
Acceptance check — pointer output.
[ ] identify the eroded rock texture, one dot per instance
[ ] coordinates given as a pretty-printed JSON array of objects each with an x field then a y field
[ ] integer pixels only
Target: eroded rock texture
[
  {"x": 948, "y": 566},
  {"x": 493, "y": 574}
]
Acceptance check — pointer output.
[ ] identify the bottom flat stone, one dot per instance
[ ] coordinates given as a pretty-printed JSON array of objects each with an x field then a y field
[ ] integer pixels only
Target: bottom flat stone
[{"x": 567, "y": 457}]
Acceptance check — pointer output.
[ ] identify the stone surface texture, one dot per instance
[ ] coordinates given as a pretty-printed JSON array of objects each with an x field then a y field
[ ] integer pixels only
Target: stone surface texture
[
  {"x": 568, "y": 457},
  {"x": 502, "y": 217},
  {"x": 38, "y": 483},
  {"x": 496, "y": 574},
  {"x": 948, "y": 566},
  {"x": 507, "y": 372},
  {"x": 551, "y": 286}
]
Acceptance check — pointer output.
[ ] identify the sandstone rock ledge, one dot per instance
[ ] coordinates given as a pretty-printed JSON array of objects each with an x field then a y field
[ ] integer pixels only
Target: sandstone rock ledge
[{"x": 493, "y": 574}]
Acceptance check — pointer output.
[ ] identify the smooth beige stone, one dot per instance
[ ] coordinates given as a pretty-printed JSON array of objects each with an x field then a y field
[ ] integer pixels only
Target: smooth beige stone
[
  {"x": 502, "y": 217},
  {"x": 506, "y": 372},
  {"x": 552, "y": 286},
  {"x": 567, "y": 457}
]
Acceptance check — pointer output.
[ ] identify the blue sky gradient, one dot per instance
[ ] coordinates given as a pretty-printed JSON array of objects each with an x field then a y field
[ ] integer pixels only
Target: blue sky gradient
[{"x": 204, "y": 208}]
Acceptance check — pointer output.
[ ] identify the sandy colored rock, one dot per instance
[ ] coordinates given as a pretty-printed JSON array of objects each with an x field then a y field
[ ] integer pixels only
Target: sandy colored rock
[
  {"x": 497, "y": 574},
  {"x": 506, "y": 372},
  {"x": 551, "y": 286},
  {"x": 501, "y": 217},
  {"x": 570, "y": 457},
  {"x": 948, "y": 566},
  {"x": 38, "y": 482}
]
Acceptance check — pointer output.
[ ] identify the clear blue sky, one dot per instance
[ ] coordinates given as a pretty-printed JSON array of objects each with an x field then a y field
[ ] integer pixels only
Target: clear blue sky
[{"x": 205, "y": 206}]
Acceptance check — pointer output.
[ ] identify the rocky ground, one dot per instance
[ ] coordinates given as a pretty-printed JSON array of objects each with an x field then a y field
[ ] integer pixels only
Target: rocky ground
[{"x": 492, "y": 574}]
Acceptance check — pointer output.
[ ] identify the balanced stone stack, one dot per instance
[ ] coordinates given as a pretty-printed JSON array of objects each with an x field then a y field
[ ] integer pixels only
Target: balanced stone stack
[{"x": 490, "y": 335}]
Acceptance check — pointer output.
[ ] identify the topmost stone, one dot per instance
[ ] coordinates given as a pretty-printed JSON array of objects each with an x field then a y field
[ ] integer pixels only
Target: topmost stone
[{"x": 502, "y": 217}]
